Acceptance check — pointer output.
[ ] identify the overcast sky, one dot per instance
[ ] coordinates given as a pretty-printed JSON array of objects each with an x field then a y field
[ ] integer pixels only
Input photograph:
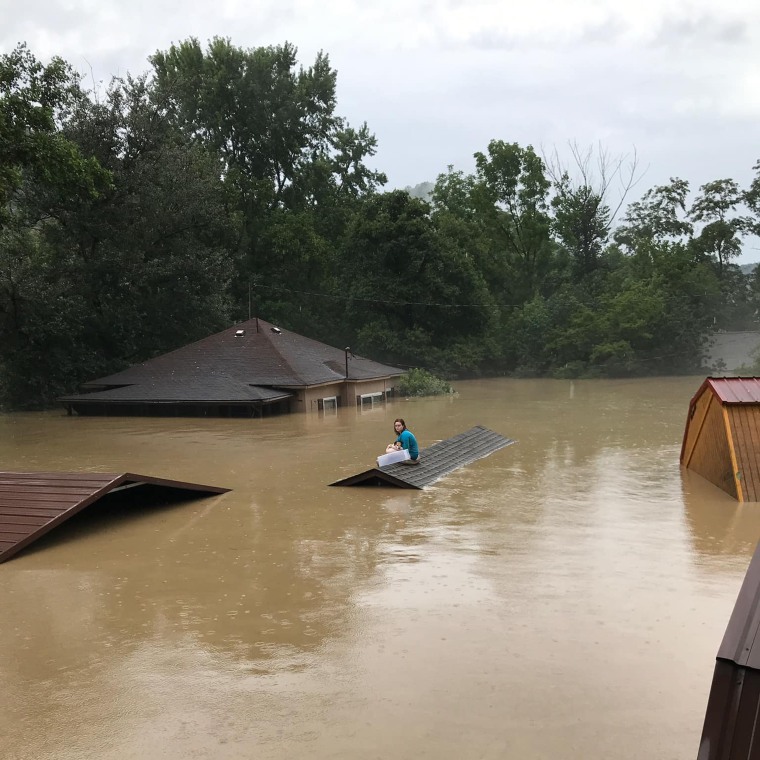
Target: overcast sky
[{"x": 677, "y": 82}]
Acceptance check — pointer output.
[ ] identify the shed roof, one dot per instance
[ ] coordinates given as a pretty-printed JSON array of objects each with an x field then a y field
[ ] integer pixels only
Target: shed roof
[
  {"x": 732, "y": 390},
  {"x": 251, "y": 362},
  {"x": 33, "y": 503}
]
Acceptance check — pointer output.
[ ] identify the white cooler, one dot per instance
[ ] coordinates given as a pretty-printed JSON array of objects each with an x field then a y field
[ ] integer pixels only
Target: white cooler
[{"x": 394, "y": 456}]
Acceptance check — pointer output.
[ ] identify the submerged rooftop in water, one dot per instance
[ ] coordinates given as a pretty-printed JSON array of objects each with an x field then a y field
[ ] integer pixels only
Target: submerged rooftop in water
[
  {"x": 33, "y": 503},
  {"x": 435, "y": 461}
]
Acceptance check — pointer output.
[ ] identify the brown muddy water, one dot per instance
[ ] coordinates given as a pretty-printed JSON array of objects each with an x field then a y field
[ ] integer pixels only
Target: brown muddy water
[{"x": 563, "y": 598}]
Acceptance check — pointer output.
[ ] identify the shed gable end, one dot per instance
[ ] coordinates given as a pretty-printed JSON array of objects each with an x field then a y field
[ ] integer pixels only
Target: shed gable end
[{"x": 706, "y": 448}]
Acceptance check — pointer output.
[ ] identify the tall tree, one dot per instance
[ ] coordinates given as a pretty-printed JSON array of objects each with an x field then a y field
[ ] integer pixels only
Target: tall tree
[
  {"x": 282, "y": 146},
  {"x": 581, "y": 223},
  {"x": 264, "y": 118},
  {"x": 751, "y": 198},
  {"x": 413, "y": 296},
  {"x": 659, "y": 217},
  {"x": 588, "y": 191},
  {"x": 513, "y": 194},
  {"x": 33, "y": 99},
  {"x": 41, "y": 171},
  {"x": 161, "y": 239},
  {"x": 716, "y": 207},
  {"x": 136, "y": 271}
]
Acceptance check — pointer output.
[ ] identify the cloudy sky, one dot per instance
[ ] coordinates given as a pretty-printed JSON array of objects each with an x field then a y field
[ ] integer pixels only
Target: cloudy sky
[{"x": 677, "y": 83}]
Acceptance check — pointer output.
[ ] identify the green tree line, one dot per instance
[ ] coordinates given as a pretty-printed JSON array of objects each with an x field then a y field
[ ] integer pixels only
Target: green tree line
[{"x": 223, "y": 183}]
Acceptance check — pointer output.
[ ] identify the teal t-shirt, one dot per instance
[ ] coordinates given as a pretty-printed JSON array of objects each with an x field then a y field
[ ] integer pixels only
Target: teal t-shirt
[{"x": 409, "y": 442}]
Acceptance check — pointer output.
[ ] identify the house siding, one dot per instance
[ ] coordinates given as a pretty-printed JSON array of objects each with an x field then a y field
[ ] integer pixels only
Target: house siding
[{"x": 348, "y": 393}]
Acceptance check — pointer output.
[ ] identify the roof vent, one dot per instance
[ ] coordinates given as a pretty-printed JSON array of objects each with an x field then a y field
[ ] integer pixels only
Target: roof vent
[
  {"x": 239, "y": 333},
  {"x": 276, "y": 330}
]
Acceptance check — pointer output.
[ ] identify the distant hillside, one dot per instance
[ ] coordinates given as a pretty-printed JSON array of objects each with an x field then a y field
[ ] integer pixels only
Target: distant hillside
[
  {"x": 748, "y": 268},
  {"x": 727, "y": 352},
  {"x": 424, "y": 190}
]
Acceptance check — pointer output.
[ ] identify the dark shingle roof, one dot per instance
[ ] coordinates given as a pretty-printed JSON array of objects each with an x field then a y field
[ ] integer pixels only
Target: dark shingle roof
[
  {"x": 230, "y": 366},
  {"x": 435, "y": 461}
]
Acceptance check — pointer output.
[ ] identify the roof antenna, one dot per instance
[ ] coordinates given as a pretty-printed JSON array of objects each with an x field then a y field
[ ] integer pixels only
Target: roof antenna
[{"x": 255, "y": 305}]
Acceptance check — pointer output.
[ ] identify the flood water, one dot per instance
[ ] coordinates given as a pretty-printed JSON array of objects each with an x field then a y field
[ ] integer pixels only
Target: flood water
[{"x": 564, "y": 597}]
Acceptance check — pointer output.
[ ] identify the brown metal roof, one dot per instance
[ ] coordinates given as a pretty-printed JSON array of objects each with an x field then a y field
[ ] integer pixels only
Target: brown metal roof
[
  {"x": 252, "y": 362},
  {"x": 741, "y": 643},
  {"x": 730, "y": 730},
  {"x": 33, "y": 503},
  {"x": 733, "y": 390},
  {"x": 435, "y": 461}
]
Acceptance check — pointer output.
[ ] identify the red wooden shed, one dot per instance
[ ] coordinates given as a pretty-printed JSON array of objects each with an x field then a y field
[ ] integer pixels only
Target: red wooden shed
[{"x": 721, "y": 441}]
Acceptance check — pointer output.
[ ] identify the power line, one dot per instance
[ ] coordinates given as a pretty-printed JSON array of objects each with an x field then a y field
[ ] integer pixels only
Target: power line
[{"x": 380, "y": 300}]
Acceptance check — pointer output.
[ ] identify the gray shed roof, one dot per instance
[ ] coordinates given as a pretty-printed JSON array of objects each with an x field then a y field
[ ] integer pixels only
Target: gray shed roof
[
  {"x": 435, "y": 461},
  {"x": 253, "y": 362}
]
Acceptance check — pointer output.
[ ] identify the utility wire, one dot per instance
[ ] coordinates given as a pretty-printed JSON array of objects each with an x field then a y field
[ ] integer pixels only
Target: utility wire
[{"x": 380, "y": 300}]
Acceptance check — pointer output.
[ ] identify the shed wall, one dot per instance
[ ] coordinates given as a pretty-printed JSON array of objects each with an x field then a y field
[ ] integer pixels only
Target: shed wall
[
  {"x": 744, "y": 426},
  {"x": 710, "y": 453},
  {"x": 694, "y": 426}
]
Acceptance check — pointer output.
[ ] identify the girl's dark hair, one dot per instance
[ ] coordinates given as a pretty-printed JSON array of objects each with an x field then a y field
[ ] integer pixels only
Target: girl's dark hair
[{"x": 399, "y": 419}]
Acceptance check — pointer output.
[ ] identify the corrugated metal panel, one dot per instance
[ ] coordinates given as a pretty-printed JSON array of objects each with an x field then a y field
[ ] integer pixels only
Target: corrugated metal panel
[
  {"x": 33, "y": 503},
  {"x": 733, "y": 707},
  {"x": 739, "y": 641},
  {"x": 435, "y": 461},
  {"x": 736, "y": 390},
  {"x": 744, "y": 429},
  {"x": 729, "y": 731}
]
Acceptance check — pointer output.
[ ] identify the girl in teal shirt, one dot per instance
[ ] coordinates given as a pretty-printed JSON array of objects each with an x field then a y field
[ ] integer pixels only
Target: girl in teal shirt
[{"x": 407, "y": 440}]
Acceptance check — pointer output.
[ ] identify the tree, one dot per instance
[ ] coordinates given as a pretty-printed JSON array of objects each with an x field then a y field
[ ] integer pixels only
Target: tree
[
  {"x": 716, "y": 207},
  {"x": 351, "y": 148},
  {"x": 41, "y": 171},
  {"x": 413, "y": 296},
  {"x": 33, "y": 97},
  {"x": 280, "y": 143},
  {"x": 160, "y": 241},
  {"x": 262, "y": 117},
  {"x": 454, "y": 194},
  {"x": 655, "y": 218},
  {"x": 111, "y": 280},
  {"x": 751, "y": 198},
  {"x": 512, "y": 194},
  {"x": 581, "y": 222},
  {"x": 583, "y": 211}
]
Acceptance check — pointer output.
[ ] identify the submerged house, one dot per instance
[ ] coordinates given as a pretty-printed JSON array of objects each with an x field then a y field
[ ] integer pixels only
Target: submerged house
[
  {"x": 249, "y": 370},
  {"x": 722, "y": 437}
]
